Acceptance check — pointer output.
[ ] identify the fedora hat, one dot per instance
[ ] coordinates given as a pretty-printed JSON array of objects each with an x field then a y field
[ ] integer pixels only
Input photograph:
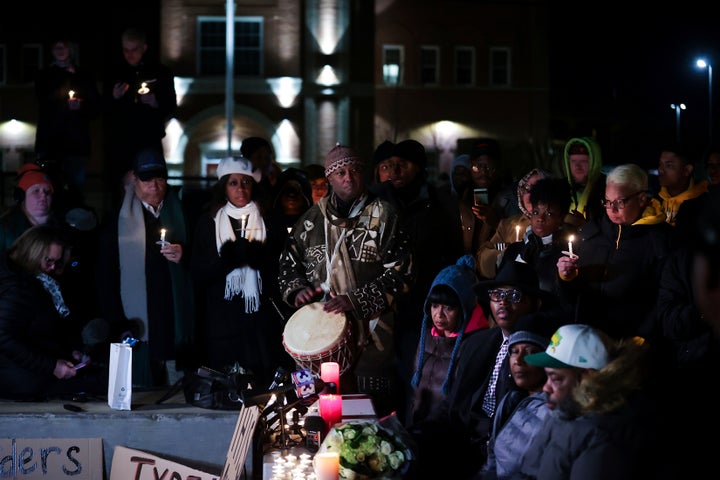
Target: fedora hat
[{"x": 516, "y": 274}]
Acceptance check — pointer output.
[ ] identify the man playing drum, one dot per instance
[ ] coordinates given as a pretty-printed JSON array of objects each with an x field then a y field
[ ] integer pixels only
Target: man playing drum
[{"x": 348, "y": 252}]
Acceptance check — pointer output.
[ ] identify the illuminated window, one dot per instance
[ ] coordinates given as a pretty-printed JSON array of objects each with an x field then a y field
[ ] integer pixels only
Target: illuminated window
[
  {"x": 392, "y": 65},
  {"x": 248, "y": 52}
]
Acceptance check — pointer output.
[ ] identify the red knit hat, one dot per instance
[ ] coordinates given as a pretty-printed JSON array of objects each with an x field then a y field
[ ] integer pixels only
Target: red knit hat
[{"x": 31, "y": 174}]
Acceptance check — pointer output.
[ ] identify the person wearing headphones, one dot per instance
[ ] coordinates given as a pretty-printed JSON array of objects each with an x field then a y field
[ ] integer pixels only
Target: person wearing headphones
[{"x": 33, "y": 205}]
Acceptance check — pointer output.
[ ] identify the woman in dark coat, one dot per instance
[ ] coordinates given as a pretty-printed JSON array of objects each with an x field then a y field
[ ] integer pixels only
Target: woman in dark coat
[
  {"x": 40, "y": 345},
  {"x": 235, "y": 267}
]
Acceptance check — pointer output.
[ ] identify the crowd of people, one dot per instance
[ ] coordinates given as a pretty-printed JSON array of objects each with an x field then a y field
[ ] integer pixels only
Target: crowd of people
[{"x": 540, "y": 331}]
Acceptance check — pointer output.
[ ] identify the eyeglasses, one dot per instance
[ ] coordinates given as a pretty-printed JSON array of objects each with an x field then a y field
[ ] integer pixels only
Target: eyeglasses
[
  {"x": 547, "y": 214},
  {"x": 497, "y": 295},
  {"x": 618, "y": 204},
  {"x": 53, "y": 262},
  {"x": 476, "y": 167}
]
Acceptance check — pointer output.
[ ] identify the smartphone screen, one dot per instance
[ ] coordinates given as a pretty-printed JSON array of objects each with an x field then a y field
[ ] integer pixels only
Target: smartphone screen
[{"x": 481, "y": 196}]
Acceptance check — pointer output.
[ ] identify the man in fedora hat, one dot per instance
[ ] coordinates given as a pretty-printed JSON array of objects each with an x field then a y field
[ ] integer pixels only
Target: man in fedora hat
[{"x": 482, "y": 375}]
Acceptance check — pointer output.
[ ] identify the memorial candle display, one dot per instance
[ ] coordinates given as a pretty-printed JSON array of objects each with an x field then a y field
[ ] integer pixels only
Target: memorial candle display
[
  {"x": 331, "y": 409},
  {"x": 330, "y": 372}
]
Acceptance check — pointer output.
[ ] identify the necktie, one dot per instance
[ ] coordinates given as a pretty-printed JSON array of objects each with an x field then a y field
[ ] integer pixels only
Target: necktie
[{"x": 488, "y": 405}]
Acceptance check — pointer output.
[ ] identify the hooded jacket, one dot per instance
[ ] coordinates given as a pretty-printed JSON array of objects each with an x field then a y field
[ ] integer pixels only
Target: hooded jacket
[
  {"x": 586, "y": 198},
  {"x": 436, "y": 354}
]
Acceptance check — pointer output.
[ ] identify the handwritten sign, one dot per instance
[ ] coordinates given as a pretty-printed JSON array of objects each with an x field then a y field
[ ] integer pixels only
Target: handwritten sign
[
  {"x": 56, "y": 458},
  {"x": 138, "y": 465}
]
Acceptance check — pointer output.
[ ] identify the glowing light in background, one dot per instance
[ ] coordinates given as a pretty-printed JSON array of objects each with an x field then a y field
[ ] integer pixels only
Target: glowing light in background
[
  {"x": 286, "y": 89},
  {"x": 327, "y": 76}
]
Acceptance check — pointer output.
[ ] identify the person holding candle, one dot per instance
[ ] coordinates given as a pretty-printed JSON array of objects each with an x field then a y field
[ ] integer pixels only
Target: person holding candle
[
  {"x": 547, "y": 238},
  {"x": 135, "y": 121},
  {"x": 510, "y": 229},
  {"x": 612, "y": 283},
  {"x": 236, "y": 276},
  {"x": 349, "y": 252},
  {"x": 145, "y": 289},
  {"x": 63, "y": 140}
]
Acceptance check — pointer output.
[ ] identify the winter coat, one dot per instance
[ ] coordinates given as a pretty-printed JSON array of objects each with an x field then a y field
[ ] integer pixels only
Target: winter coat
[{"x": 620, "y": 266}]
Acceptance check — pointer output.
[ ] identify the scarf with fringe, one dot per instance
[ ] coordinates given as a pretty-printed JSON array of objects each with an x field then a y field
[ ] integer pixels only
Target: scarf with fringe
[{"x": 245, "y": 280}]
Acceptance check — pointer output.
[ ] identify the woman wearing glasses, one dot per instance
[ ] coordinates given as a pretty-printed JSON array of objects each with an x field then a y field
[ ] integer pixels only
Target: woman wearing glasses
[
  {"x": 41, "y": 347},
  {"x": 611, "y": 279}
]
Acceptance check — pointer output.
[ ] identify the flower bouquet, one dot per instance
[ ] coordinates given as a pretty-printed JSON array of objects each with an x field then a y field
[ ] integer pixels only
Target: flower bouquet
[{"x": 370, "y": 449}]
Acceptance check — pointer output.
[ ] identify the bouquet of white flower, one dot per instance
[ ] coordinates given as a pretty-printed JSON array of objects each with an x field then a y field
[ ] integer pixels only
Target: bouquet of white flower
[{"x": 367, "y": 450}]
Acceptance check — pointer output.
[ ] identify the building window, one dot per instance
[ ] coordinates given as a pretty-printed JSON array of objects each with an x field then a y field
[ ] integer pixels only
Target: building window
[
  {"x": 3, "y": 65},
  {"x": 31, "y": 61},
  {"x": 500, "y": 67},
  {"x": 464, "y": 66},
  {"x": 429, "y": 65},
  {"x": 393, "y": 65},
  {"x": 248, "y": 51}
]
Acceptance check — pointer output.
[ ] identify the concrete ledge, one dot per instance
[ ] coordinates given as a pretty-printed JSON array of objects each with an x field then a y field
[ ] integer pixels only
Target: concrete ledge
[{"x": 196, "y": 437}]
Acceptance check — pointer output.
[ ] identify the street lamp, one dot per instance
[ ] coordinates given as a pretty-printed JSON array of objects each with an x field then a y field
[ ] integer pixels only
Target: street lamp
[
  {"x": 677, "y": 108},
  {"x": 702, "y": 63}
]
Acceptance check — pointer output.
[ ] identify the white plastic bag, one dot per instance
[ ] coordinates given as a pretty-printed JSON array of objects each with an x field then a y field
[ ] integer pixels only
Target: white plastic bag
[{"x": 120, "y": 376}]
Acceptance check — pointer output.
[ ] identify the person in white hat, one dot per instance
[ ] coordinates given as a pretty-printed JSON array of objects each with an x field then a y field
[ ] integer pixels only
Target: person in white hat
[
  {"x": 234, "y": 267},
  {"x": 601, "y": 422}
]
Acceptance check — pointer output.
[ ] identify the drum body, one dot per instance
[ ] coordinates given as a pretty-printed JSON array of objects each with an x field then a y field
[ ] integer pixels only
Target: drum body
[{"x": 313, "y": 336}]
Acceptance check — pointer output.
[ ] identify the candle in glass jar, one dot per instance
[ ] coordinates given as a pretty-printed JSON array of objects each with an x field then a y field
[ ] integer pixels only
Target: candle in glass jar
[
  {"x": 517, "y": 233},
  {"x": 327, "y": 465},
  {"x": 570, "y": 242},
  {"x": 331, "y": 409},
  {"x": 330, "y": 372}
]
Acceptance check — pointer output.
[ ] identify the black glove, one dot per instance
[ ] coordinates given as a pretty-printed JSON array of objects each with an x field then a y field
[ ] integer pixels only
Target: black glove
[{"x": 235, "y": 254}]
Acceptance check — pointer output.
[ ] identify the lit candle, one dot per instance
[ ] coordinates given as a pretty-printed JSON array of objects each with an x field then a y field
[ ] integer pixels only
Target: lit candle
[
  {"x": 243, "y": 224},
  {"x": 71, "y": 94},
  {"x": 331, "y": 409},
  {"x": 517, "y": 233},
  {"x": 572, "y": 237},
  {"x": 143, "y": 88},
  {"x": 327, "y": 465},
  {"x": 330, "y": 372},
  {"x": 162, "y": 234}
]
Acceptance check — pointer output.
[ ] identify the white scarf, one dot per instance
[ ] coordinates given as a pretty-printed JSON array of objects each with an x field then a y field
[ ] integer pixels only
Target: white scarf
[
  {"x": 131, "y": 248},
  {"x": 243, "y": 279},
  {"x": 52, "y": 287}
]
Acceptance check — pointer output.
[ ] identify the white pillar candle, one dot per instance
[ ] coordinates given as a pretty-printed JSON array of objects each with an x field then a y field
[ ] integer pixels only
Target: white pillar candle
[{"x": 570, "y": 242}]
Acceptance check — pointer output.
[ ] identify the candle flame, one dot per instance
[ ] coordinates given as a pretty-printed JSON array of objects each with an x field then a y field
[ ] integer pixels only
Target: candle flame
[
  {"x": 71, "y": 94},
  {"x": 572, "y": 238}
]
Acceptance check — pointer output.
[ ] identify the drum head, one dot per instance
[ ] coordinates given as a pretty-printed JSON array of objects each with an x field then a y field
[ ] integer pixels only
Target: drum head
[{"x": 312, "y": 331}]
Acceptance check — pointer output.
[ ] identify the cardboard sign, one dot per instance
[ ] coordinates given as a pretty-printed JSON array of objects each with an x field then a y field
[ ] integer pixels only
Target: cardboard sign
[
  {"x": 138, "y": 465},
  {"x": 56, "y": 458},
  {"x": 240, "y": 443}
]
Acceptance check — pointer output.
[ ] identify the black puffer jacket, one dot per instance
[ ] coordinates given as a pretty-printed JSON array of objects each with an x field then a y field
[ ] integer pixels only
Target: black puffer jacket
[{"x": 32, "y": 336}]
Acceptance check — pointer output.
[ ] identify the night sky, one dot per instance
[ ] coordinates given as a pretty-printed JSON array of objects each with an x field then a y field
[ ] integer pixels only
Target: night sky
[{"x": 618, "y": 71}]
